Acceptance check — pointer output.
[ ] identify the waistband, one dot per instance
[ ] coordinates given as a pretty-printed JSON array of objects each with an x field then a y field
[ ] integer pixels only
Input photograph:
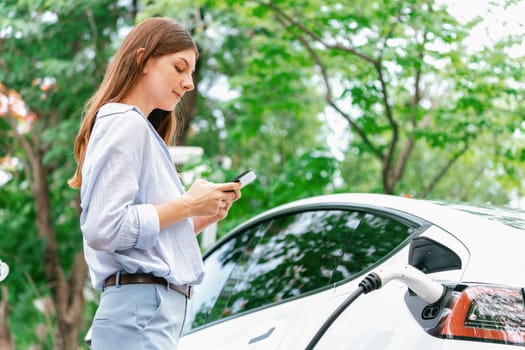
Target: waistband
[{"x": 118, "y": 279}]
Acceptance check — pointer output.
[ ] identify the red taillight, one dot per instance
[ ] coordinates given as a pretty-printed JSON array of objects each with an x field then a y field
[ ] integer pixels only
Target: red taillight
[{"x": 484, "y": 313}]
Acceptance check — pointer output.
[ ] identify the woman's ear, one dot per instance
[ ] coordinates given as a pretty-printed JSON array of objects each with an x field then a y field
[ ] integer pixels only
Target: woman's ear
[{"x": 138, "y": 57}]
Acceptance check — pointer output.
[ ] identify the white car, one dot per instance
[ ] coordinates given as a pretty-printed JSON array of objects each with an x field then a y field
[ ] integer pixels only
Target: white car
[{"x": 299, "y": 276}]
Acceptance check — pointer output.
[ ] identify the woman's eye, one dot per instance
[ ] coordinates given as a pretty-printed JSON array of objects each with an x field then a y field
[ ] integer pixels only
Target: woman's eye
[{"x": 178, "y": 69}]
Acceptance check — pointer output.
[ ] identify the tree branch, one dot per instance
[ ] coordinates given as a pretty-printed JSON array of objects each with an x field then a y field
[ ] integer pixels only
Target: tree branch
[
  {"x": 388, "y": 180},
  {"x": 389, "y": 34},
  {"x": 26, "y": 146},
  {"x": 329, "y": 95},
  {"x": 443, "y": 171},
  {"x": 93, "y": 26},
  {"x": 409, "y": 145},
  {"x": 316, "y": 37},
  {"x": 407, "y": 150}
]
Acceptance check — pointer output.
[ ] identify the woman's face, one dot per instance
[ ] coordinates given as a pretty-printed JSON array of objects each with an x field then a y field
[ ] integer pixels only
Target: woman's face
[{"x": 166, "y": 79}]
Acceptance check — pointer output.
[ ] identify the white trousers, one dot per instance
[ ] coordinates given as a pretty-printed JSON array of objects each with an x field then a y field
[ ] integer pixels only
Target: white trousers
[{"x": 138, "y": 317}]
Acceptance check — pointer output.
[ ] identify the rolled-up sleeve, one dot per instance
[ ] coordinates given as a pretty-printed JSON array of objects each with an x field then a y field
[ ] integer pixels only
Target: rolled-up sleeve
[{"x": 112, "y": 219}]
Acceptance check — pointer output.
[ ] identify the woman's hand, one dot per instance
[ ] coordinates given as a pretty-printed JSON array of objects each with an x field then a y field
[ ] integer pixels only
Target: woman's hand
[
  {"x": 204, "y": 201},
  {"x": 204, "y": 198},
  {"x": 201, "y": 222}
]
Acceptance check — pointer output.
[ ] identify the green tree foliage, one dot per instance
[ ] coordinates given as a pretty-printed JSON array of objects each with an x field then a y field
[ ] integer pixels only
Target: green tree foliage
[
  {"x": 419, "y": 108},
  {"x": 53, "y": 53},
  {"x": 401, "y": 76}
]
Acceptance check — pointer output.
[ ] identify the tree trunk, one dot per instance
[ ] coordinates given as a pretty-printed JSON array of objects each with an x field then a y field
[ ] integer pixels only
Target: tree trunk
[
  {"x": 6, "y": 338},
  {"x": 67, "y": 295}
]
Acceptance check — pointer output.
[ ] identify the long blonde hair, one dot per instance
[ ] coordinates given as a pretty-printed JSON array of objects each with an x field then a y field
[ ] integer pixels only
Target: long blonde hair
[{"x": 157, "y": 36}]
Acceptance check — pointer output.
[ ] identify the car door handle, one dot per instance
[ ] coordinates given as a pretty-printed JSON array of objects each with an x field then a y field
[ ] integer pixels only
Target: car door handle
[{"x": 262, "y": 336}]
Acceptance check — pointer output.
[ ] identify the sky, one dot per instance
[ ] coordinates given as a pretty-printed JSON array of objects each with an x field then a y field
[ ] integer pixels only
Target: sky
[{"x": 497, "y": 20}]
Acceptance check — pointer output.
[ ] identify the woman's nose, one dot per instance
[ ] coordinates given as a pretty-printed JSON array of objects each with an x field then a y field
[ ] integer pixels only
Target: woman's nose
[{"x": 187, "y": 83}]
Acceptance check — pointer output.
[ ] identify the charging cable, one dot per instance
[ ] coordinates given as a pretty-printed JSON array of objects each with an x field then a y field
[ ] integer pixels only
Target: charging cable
[{"x": 425, "y": 287}]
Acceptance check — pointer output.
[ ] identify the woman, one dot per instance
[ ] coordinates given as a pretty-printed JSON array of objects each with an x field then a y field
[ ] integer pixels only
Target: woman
[{"x": 138, "y": 222}]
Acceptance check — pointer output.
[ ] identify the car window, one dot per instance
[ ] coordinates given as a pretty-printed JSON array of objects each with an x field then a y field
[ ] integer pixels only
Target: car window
[
  {"x": 218, "y": 267},
  {"x": 291, "y": 255}
]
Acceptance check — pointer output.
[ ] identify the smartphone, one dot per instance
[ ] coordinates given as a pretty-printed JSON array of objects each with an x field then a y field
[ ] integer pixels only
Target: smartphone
[{"x": 245, "y": 177}]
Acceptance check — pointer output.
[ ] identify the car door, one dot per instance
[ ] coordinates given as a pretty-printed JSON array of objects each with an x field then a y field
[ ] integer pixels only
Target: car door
[
  {"x": 215, "y": 311},
  {"x": 260, "y": 279}
]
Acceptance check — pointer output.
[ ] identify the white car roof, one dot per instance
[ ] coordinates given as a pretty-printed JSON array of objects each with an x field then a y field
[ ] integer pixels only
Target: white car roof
[{"x": 431, "y": 211}]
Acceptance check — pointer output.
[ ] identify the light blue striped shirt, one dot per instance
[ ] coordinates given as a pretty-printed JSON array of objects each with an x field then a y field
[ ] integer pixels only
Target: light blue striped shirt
[{"x": 127, "y": 170}]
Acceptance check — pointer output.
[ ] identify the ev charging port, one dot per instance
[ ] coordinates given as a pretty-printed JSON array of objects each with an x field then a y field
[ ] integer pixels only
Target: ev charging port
[{"x": 430, "y": 312}]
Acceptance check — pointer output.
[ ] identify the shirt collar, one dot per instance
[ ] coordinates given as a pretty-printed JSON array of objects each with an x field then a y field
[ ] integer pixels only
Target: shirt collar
[{"x": 114, "y": 108}]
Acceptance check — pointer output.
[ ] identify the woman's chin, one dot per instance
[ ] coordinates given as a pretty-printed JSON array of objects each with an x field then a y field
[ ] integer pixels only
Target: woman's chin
[{"x": 170, "y": 107}]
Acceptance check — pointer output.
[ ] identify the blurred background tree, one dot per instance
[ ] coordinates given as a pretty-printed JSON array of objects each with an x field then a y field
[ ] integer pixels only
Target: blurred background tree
[
  {"x": 316, "y": 96},
  {"x": 53, "y": 55}
]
